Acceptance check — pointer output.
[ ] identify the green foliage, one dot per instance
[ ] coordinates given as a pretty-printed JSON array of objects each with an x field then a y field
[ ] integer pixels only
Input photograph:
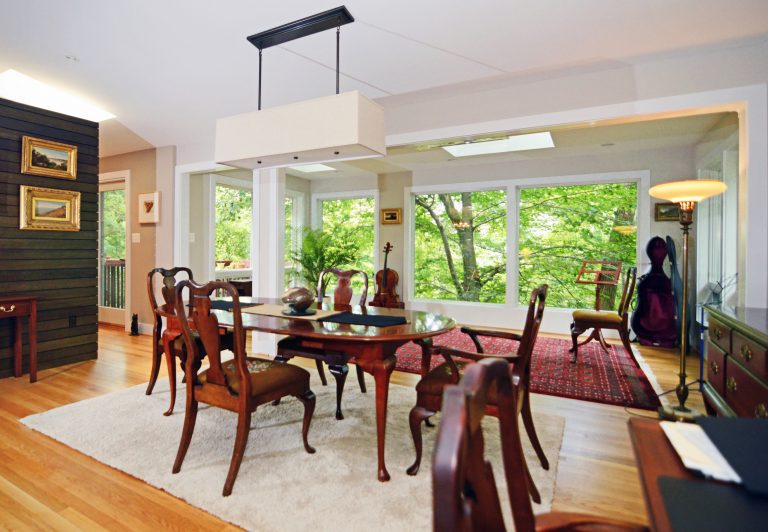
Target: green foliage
[
  {"x": 113, "y": 224},
  {"x": 321, "y": 250},
  {"x": 460, "y": 246},
  {"x": 233, "y": 224},
  {"x": 561, "y": 226},
  {"x": 350, "y": 224}
]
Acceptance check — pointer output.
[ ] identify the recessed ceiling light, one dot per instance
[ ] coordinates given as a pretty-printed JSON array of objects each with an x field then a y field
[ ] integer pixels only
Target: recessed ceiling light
[
  {"x": 531, "y": 141},
  {"x": 311, "y": 168},
  {"x": 23, "y": 89}
]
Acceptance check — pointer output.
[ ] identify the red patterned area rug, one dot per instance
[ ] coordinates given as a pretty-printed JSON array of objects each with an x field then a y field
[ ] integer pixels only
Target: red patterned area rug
[{"x": 611, "y": 378}]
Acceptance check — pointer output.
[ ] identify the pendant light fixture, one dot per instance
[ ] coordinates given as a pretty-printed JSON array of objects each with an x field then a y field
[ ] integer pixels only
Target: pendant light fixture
[{"x": 332, "y": 128}]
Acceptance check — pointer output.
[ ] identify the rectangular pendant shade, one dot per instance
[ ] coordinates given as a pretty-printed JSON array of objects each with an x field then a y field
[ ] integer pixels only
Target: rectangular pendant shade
[{"x": 333, "y": 128}]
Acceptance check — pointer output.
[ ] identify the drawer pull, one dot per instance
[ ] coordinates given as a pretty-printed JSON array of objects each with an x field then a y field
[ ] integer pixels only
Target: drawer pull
[
  {"x": 746, "y": 352},
  {"x": 761, "y": 411},
  {"x": 714, "y": 367},
  {"x": 731, "y": 384},
  {"x": 11, "y": 309},
  {"x": 718, "y": 332}
]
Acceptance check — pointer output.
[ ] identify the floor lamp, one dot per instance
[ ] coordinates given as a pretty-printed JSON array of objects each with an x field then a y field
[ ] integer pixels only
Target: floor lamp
[{"x": 685, "y": 194}]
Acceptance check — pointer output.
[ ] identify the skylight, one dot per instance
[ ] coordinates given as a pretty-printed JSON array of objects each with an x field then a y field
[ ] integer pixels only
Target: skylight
[
  {"x": 530, "y": 141},
  {"x": 311, "y": 168},
  {"x": 23, "y": 89}
]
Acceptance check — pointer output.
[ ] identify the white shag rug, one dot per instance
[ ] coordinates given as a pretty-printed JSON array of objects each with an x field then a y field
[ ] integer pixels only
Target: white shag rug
[{"x": 280, "y": 486}]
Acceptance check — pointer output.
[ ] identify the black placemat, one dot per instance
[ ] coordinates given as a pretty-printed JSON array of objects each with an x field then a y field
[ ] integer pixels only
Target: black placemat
[
  {"x": 372, "y": 320},
  {"x": 742, "y": 441},
  {"x": 702, "y": 505},
  {"x": 223, "y": 304}
]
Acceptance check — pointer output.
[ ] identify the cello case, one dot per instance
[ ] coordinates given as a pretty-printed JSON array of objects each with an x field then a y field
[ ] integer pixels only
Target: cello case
[
  {"x": 677, "y": 290},
  {"x": 654, "y": 319}
]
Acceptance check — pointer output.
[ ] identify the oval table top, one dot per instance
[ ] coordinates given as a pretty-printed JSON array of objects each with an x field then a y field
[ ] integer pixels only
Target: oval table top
[{"x": 420, "y": 324}]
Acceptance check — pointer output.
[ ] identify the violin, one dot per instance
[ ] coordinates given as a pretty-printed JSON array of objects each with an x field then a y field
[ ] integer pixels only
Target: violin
[{"x": 386, "y": 283}]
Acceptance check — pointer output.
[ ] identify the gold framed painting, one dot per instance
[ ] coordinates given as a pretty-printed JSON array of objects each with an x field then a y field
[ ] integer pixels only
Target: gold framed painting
[
  {"x": 391, "y": 216},
  {"x": 667, "y": 212},
  {"x": 49, "y": 209},
  {"x": 48, "y": 158}
]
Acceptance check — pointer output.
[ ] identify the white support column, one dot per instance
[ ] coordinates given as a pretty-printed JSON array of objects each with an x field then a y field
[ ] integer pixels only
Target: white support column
[{"x": 267, "y": 244}]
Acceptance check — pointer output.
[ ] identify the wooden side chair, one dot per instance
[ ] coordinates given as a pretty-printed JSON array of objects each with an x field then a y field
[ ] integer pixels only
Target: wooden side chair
[
  {"x": 465, "y": 497},
  {"x": 165, "y": 339},
  {"x": 584, "y": 320},
  {"x": 429, "y": 390},
  {"x": 342, "y": 297},
  {"x": 240, "y": 384}
]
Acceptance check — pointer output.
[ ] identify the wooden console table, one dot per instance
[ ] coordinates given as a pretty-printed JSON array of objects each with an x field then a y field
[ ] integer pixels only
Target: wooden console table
[{"x": 15, "y": 307}]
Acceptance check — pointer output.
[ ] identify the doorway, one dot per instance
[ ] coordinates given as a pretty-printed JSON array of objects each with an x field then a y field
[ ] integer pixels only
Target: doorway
[{"x": 113, "y": 249}]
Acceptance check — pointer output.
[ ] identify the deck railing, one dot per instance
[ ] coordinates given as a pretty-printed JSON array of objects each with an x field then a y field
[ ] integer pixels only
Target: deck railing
[{"x": 113, "y": 283}]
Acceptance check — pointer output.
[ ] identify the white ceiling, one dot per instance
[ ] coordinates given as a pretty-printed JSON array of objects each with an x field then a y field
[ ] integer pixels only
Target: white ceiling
[{"x": 169, "y": 68}]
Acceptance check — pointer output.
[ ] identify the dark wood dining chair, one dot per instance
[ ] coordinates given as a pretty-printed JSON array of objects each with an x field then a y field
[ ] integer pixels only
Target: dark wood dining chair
[
  {"x": 584, "y": 320},
  {"x": 239, "y": 385},
  {"x": 429, "y": 390},
  {"x": 165, "y": 339},
  {"x": 342, "y": 297},
  {"x": 465, "y": 497}
]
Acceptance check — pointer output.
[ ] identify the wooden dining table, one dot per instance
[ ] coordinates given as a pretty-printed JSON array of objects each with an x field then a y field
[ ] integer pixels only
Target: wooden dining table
[{"x": 373, "y": 348}]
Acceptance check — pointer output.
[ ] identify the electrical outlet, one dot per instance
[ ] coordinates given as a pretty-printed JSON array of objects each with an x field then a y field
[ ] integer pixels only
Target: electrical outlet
[
  {"x": 72, "y": 320},
  {"x": 136, "y": 238},
  {"x": 191, "y": 238}
]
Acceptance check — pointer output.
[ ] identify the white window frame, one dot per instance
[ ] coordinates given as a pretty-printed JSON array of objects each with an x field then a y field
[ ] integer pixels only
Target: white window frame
[
  {"x": 298, "y": 217},
  {"x": 502, "y": 314}
]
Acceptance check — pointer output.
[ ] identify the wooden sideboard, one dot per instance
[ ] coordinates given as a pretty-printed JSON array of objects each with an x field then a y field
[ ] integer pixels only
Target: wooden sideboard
[{"x": 737, "y": 362}]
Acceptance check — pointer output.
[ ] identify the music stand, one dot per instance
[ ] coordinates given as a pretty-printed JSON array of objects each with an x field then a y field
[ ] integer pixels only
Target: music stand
[{"x": 605, "y": 280}]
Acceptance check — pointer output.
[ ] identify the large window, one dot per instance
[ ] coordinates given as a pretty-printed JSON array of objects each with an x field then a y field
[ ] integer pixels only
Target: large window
[
  {"x": 233, "y": 227},
  {"x": 350, "y": 221},
  {"x": 561, "y": 226},
  {"x": 460, "y": 241},
  {"x": 460, "y": 246}
]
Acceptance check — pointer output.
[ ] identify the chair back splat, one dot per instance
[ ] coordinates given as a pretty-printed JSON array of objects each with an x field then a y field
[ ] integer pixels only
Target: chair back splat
[{"x": 207, "y": 329}]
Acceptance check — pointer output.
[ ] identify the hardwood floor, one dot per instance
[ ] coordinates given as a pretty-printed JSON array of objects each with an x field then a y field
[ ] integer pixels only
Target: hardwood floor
[{"x": 45, "y": 485}]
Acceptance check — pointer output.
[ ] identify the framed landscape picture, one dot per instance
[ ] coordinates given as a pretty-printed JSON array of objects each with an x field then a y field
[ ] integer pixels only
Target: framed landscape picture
[
  {"x": 391, "y": 216},
  {"x": 48, "y": 158},
  {"x": 49, "y": 209},
  {"x": 667, "y": 212}
]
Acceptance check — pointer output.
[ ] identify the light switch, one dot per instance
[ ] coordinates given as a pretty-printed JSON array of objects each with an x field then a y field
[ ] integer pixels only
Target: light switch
[
  {"x": 136, "y": 238},
  {"x": 191, "y": 238}
]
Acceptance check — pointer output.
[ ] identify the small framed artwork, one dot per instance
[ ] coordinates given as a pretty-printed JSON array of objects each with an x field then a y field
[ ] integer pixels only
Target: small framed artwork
[
  {"x": 667, "y": 212},
  {"x": 49, "y": 209},
  {"x": 149, "y": 208},
  {"x": 391, "y": 216},
  {"x": 48, "y": 158}
]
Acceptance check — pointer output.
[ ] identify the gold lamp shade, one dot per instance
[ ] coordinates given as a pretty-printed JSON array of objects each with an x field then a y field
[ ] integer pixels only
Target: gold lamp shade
[{"x": 687, "y": 191}]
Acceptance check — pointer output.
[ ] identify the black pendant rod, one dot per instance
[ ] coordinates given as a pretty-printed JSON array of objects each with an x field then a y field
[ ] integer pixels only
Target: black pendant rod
[
  {"x": 301, "y": 28},
  {"x": 338, "y": 35}
]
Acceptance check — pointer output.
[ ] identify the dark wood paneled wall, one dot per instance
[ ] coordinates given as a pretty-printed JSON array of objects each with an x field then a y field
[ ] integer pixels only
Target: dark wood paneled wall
[{"x": 59, "y": 267}]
